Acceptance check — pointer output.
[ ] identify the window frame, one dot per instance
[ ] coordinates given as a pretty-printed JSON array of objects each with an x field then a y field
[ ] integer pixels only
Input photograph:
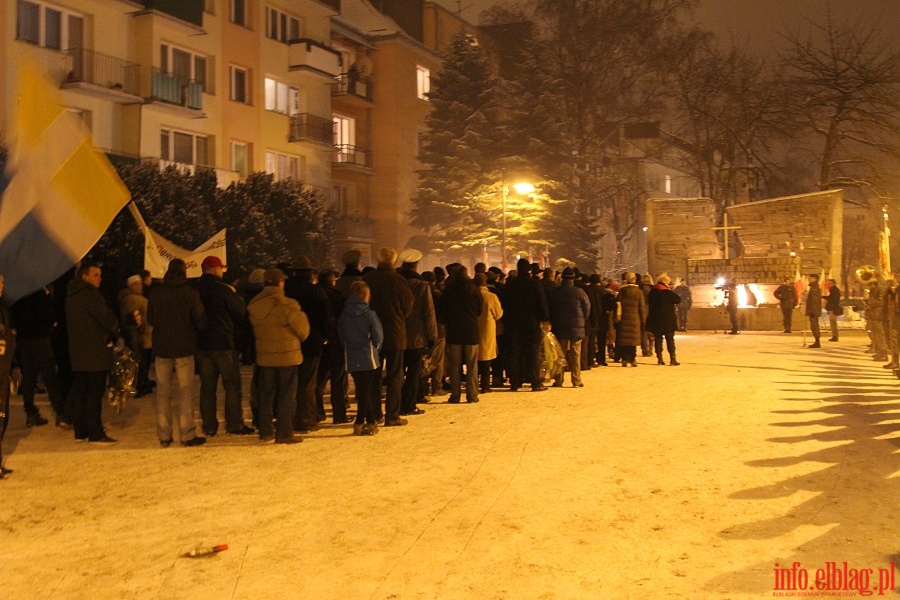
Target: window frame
[
  {"x": 65, "y": 33},
  {"x": 280, "y": 25},
  {"x": 167, "y": 63},
  {"x": 233, "y": 91},
  {"x": 235, "y": 144},
  {"x": 239, "y": 15},
  {"x": 423, "y": 82},
  {"x": 169, "y": 153},
  {"x": 283, "y": 166},
  {"x": 273, "y": 95}
]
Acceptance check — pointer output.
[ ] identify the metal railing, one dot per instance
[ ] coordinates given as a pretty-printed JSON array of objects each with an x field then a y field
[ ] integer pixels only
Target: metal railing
[
  {"x": 104, "y": 70},
  {"x": 346, "y": 227},
  {"x": 345, "y": 154},
  {"x": 306, "y": 126},
  {"x": 175, "y": 90},
  {"x": 353, "y": 86}
]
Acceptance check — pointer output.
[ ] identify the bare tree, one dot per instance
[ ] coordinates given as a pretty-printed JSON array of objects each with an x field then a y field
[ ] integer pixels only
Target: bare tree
[{"x": 844, "y": 92}]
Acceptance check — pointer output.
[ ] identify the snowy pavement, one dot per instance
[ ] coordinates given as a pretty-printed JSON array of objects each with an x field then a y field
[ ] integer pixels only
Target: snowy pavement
[{"x": 655, "y": 482}]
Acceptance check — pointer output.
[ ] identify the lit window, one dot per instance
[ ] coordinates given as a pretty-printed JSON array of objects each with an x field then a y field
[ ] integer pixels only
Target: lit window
[
  {"x": 49, "y": 26},
  {"x": 423, "y": 82},
  {"x": 183, "y": 147},
  {"x": 281, "y": 97},
  {"x": 283, "y": 166},
  {"x": 344, "y": 131},
  {"x": 240, "y": 153},
  {"x": 668, "y": 184}
]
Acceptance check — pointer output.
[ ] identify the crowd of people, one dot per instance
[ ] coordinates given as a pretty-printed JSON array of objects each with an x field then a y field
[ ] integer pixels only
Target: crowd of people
[{"x": 404, "y": 336}]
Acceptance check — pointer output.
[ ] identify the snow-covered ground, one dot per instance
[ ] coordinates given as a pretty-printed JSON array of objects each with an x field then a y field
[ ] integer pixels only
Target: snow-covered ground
[{"x": 655, "y": 482}]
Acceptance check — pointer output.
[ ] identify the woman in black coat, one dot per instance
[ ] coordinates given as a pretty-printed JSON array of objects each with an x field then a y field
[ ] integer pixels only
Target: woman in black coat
[
  {"x": 661, "y": 319},
  {"x": 461, "y": 304}
]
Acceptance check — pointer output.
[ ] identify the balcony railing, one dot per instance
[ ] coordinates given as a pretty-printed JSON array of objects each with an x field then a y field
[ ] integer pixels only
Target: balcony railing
[
  {"x": 104, "y": 70},
  {"x": 224, "y": 177},
  {"x": 175, "y": 90},
  {"x": 353, "y": 228},
  {"x": 345, "y": 154},
  {"x": 308, "y": 127},
  {"x": 353, "y": 86},
  {"x": 311, "y": 55}
]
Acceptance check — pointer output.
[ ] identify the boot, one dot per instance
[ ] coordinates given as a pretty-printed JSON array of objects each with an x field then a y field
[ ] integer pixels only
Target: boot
[
  {"x": 672, "y": 360},
  {"x": 659, "y": 360}
]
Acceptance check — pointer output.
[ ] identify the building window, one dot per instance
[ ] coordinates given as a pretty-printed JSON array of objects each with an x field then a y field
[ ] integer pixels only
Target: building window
[
  {"x": 183, "y": 147},
  {"x": 668, "y": 184},
  {"x": 341, "y": 194},
  {"x": 239, "y": 92},
  {"x": 282, "y": 27},
  {"x": 344, "y": 130},
  {"x": 282, "y": 98},
  {"x": 49, "y": 26},
  {"x": 240, "y": 158},
  {"x": 423, "y": 82},
  {"x": 184, "y": 64},
  {"x": 239, "y": 12},
  {"x": 283, "y": 166}
]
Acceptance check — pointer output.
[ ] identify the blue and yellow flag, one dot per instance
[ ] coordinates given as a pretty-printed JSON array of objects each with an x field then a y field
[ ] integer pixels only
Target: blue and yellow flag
[{"x": 59, "y": 193}]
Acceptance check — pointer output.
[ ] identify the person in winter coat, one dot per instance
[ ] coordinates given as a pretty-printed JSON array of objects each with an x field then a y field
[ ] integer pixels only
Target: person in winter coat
[
  {"x": 32, "y": 318},
  {"x": 137, "y": 331},
  {"x": 833, "y": 307},
  {"x": 570, "y": 308},
  {"x": 632, "y": 312},
  {"x": 361, "y": 335},
  {"x": 814, "y": 308},
  {"x": 524, "y": 309},
  {"x": 177, "y": 316},
  {"x": 279, "y": 326},
  {"x": 487, "y": 331},
  {"x": 731, "y": 307},
  {"x": 683, "y": 291},
  {"x": 92, "y": 326},
  {"x": 662, "y": 320},
  {"x": 421, "y": 332},
  {"x": 461, "y": 305},
  {"x": 392, "y": 301},
  {"x": 786, "y": 294},
  {"x": 216, "y": 356},
  {"x": 646, "y": 284}
]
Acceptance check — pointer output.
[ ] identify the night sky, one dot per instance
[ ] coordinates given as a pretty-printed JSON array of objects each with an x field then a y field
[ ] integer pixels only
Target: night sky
[{"x": 757, "y": 23}]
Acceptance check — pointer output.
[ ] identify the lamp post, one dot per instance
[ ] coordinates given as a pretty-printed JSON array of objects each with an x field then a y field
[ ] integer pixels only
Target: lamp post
[{"x": 521, "y": 188}]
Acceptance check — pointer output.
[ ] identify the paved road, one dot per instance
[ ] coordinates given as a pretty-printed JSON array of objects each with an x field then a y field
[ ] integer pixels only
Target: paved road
[{"x": 655, "y": 482}]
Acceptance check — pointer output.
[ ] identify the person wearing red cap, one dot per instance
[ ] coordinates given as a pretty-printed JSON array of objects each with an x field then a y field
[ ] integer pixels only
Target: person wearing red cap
[{"x": 216, "y": 355}]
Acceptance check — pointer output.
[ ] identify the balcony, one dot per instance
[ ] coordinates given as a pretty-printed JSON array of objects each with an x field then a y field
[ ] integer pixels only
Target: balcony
[
  {"x": 175, "y": 91},
  {"x": 104, "y": 75},
  {"x": 224, "y": 177},
  {"x": 315, "y": 57},
  {"x": 354, "y": 87},
  {"x": 354, "y": 156},
  {"x": 354, "y": 229},
  {"x": 306, "y": 127}
]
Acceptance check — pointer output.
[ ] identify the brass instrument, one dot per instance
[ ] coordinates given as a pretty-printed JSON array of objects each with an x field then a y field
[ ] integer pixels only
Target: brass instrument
[{"x": 866, "y": 274}]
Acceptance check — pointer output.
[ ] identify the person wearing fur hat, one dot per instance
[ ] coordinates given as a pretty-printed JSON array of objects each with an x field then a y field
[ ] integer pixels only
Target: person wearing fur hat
[
  {"x": 632, "y": 317},
  {"x": 421, "y": 332},
  {"x": 661, "y": 318}
]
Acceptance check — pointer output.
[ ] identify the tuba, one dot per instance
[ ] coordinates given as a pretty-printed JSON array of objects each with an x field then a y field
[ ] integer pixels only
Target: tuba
[{"x": 866, "y": 274}]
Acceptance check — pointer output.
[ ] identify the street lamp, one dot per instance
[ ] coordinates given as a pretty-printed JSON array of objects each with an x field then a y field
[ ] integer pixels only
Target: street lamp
[{"x": 521, "y": 188}]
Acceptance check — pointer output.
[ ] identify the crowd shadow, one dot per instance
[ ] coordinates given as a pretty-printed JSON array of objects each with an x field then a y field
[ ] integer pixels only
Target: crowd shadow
[{"x": 859, "y": 406}]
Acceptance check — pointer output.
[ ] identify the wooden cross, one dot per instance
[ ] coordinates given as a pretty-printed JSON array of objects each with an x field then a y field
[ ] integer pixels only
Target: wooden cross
[{"x": 726, "y": 229}]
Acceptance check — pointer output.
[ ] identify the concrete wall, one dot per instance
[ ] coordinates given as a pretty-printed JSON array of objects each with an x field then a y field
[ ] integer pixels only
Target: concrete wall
[{"x": 679, "y": 229}]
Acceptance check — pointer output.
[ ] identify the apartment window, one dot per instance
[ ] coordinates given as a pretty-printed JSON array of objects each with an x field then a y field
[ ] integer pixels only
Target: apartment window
[
  {"x": 49, "y": 26},
  {"x": 183, "y": 147},
  {"x": 281, "y": 26},
  {"x": 423, "y": 82},
  {"x": 283, "y": 166},
  {"x": 184, "y": 64},
  {"x": 344, "y": 130},
  {"x": 239, "y": 92},
  {"x": 240, "y": 158},
  {"x": 239, "y": 12},
  {"x": 668, "y": 184},
  {"x": 341, "y": 194},
  {"x": 282, "y": 98}
]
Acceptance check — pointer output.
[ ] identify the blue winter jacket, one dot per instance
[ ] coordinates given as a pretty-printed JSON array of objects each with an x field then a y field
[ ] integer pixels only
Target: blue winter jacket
[{"x": 361, "y": 334}]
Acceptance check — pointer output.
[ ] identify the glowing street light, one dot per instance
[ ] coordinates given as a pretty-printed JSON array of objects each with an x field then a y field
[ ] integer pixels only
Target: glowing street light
[{"x": 522, "y": 187}]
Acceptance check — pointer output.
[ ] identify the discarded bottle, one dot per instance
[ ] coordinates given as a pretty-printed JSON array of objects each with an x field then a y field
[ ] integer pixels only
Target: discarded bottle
[{"x": 201, "y": 551}]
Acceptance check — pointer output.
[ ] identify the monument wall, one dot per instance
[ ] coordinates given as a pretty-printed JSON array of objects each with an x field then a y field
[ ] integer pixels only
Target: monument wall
[{"x": 679, "y": 229}]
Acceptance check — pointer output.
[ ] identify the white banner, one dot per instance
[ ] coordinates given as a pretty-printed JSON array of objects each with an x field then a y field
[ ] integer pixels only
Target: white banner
[{"x": 158, "y": 251}]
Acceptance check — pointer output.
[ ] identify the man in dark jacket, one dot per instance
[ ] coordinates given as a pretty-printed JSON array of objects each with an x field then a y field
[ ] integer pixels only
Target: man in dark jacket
[
  {"x": 176, "y": 314},
  {"x": 216, "y": 354},
  {"x": 524, "y": 309},
  {"x": 833, "y": 307},
  {"x": 333, "y": 366},
  {"x": 570, "y": 308},
  {"x": 461, "y": 304},
  {"x": 392, "y": 301},
  {"x": 786, "y": 294},
  {"x": 421, "y": 332},
  {"x": 92, "y": 326},
  {"x": 322, "y": 326},
  {"x": 32, "y": 318},
  {"x": 814, "y": 308},
  {"x": 350, "y": 273},
  {"x": 683, "y": 291},
  {"x": 661, "y": 318}
]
